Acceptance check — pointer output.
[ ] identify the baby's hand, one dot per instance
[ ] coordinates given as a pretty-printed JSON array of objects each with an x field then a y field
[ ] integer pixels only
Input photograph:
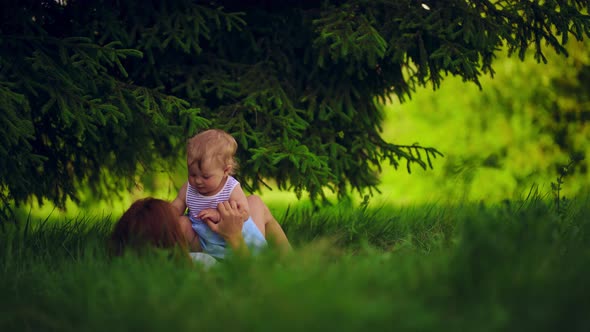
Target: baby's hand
[{"x": 209, "y": 214}]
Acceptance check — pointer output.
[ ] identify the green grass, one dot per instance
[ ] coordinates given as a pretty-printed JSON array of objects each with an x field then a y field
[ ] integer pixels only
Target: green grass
[{"x": 514, "y": 266}]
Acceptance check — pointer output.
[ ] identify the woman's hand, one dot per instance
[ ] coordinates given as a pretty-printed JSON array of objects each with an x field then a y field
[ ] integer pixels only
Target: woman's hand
[{"x": 230, "y": 225}]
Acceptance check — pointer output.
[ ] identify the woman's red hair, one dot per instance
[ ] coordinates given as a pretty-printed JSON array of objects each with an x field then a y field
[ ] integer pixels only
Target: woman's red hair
[{"x": 149, "y": 222}]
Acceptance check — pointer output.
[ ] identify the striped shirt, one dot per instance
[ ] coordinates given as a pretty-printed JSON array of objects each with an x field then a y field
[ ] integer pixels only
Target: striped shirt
[{"x": 197, "y": 202}]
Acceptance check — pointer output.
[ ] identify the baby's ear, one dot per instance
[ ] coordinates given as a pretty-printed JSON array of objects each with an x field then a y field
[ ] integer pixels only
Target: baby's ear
[{"x": 227, "y": 170}]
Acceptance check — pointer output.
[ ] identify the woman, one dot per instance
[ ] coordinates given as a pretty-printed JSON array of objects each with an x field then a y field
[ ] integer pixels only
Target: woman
[{"x": 152, "y": 222}]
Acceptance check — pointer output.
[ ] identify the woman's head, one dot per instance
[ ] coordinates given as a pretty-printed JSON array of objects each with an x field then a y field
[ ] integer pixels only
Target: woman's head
[{"x": 149, "y": 222}]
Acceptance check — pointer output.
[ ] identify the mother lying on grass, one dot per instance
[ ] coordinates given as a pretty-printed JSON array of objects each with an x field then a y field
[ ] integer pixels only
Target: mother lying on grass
[{"x": 154, "y": 223}]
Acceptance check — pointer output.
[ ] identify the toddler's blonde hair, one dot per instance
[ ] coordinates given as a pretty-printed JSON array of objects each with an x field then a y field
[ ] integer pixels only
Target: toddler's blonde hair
[{"x": 213, "y": 144}]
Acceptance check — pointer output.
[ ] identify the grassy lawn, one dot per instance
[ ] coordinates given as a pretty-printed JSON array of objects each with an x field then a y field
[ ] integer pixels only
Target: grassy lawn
[{"x": 519, "y": 265}]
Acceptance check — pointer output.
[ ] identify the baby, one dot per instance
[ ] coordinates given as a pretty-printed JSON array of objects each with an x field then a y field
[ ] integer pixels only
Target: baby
[{"x": 211, "y": 163}]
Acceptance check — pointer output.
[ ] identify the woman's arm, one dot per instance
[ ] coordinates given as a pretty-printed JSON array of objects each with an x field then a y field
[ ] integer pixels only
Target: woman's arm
[{"x": 268, "y": 225}]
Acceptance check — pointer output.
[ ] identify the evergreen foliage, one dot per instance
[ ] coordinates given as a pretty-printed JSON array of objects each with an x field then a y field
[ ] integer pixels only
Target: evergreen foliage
[{"x": 94, "y": 91}]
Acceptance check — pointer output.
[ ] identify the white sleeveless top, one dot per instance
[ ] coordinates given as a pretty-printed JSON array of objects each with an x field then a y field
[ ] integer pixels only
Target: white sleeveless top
[{"x": 197, "y": 202}]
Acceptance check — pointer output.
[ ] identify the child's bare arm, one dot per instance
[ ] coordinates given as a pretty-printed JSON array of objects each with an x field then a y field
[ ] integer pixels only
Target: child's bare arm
[
  {"x": 238, "y": 196},
  {"x": 179, "y": 202}
]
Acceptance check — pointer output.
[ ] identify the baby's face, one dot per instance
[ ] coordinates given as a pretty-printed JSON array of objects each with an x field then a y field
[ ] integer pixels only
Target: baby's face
[{"x": 209, "y": 178}]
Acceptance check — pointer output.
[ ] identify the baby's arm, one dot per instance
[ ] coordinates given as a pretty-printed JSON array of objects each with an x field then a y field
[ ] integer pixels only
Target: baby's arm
[
  {"x": 238, "y": 196},
  {"x": 179, "y": 202}
]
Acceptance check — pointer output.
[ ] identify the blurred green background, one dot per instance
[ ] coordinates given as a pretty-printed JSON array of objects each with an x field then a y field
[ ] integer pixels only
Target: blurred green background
[{"x": 513, "y": 134}]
